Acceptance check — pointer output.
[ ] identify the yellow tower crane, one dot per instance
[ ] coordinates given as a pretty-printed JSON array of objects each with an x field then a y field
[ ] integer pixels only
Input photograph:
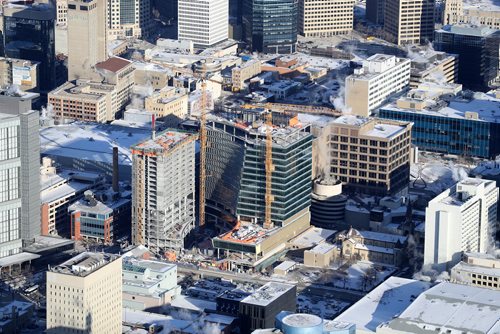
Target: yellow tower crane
[{"x": 269, "y": 170}]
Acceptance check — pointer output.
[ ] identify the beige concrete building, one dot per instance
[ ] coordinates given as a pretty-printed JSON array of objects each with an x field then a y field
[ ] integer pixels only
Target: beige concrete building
[
  {"x": 87, "y": 40},
  {"x": 152, "y": 74},
  {"x": 485, "y": 14},
  {"x": 245, "y": 71},
  {"x": 371, "y": 155},
  {"x": 409, "y": 21},
  {"x": 477, "y": 269},
  {"x": 325, "y": 18},
  {"x": 84, "y": 294},
  {"x": 380, "y": 77},
  {"x": 433, "y": 66},
  {"x": 95, "y": 101},
  {"x": 321, "y": 255},
  {"x": 23, "y": 73},
  {"x": 170, "y": 104},
  {"x": 81, "y": 101}
]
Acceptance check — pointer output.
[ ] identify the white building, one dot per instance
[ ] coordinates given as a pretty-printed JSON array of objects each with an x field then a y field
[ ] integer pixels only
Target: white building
[
  {"x": 369, "y": 86},
  {"x": 84, "y": 295},
  {"x": 205, "y": 22},
  {"x": 148, "y": 284},
  {"x": 459, "y": 220}
]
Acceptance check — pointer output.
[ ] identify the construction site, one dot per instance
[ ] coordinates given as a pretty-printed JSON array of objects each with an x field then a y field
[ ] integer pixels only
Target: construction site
[
  {"x": 163, "y": 185},
  {"x": 257, "y": 185}
]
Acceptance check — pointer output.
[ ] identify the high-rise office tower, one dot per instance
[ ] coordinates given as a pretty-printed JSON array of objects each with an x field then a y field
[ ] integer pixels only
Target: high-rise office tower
[
  {"x": 375, "y": 11},
  {"x": 371, "y": 156},
  {"x": 460, "y": 219},
  {"x": 409, "y": 21},
  {"x": 163, "y": 191},
  {"x": 270, "y": 25},
  {"x": 29, "y": 34},
  {"x": 128, "y": 18},
  {"x": 371, "y": 85},
  {"x": 325, "y": 18},
  {"x": 19, "y": 179},
  {"x": 86, "y": 37},
  {"x": 237, "y": 182},
  {"x": 84, "y": 295},
  {"x": 478, "y": 53},
  {"x": 205, "y": 22}
]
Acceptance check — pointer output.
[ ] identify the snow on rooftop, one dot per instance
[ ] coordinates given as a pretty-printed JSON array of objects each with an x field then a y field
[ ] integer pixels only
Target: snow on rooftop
[
  {"x": 385, "y": 130},
  {"x": 487, "y": 107},
  {"x": 485, "y": 5},
  {"x": 302, "y": 320},
  {"x": 453, "y": 307},
  {"x": 91, "y": 141},
  {"x": 193, "y": 304},
  {"x": 383, "y": 303},
  {"x": 268, "y": 293},
  {"x": 312, "y": 237},
  {"x": 285, "y": 265},
  {"x": 351, "y": 120}
]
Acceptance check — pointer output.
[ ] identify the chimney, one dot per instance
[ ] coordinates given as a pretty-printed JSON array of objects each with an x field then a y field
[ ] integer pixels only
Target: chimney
[{"x": 115, "y": 169}]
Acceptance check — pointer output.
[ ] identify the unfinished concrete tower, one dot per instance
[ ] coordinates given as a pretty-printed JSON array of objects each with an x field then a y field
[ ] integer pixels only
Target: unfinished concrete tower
[{"x": 163, "y": 182}]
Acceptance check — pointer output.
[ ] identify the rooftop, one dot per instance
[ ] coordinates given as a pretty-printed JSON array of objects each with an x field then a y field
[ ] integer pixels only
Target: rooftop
[
  {"x": 463, "y": 266},
  {"x": 468, "y": 30},
  {"x": 486, "y": 106},
  {"x": 450, "y": 308},
  {"x": 312, "y": 237},
  {"x": 91, "y": 141},
  {"x": 165, "y": 141},
  {"x": 113, "y": 64},
  {"x": 323, "y": 248},
  {"x": 268, "y": 293},
  {"x": 383, "y": 303},
  {"x": 372, "y": 127},
  {"x": 84, "y": 264},
  {"x": 484, "y": 5}
]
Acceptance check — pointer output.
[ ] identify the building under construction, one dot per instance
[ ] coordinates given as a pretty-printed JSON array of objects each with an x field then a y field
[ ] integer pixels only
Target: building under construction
[
  {"x": 239, "y": 190},
  {"x": 163, "y": 185}
]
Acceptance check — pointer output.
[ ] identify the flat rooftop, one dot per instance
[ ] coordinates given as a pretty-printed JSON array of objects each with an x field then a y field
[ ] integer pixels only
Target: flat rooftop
[
  {"x": 484, "y": 5},
  {"x": 268, "y": 293},
  {"x": 487, "y": 107},
  {"x": 323, "y": 248},
  {"x": 84, "y": 264},
  {"x": 312, "y": 236},
  {"x": 45, "y": 242},
  {"x": 380, "y": 128},
  {"x": 91, "y": 141},
  {"x": 451, "y": 308},
  {"x": 383, "y": 303},
  {"x": 165, "y": 141},
  {"x": 463, "y": 266}
]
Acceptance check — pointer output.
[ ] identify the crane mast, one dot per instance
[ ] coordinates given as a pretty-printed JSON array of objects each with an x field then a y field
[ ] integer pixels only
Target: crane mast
[{"x": 269, "y": 170}]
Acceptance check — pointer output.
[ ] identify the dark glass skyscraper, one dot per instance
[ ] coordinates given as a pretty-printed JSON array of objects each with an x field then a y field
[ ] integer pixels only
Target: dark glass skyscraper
[
  {"x": 270, "y": 25},
  {"x": 477, "y": 48},
  {"x": 29, "y": 34}
]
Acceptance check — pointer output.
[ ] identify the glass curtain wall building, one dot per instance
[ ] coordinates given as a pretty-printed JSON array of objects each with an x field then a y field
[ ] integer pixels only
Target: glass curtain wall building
[
  {"x": 270, "y": 25},
  {"x": 236, "y": 179},
  {"x": 29, "y": 34},
  {"x": 477, "y": 48}
]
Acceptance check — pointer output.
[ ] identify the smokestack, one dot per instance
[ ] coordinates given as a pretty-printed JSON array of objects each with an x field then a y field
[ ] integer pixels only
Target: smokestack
[
  {"x": 115, "y": 169},
  {"x": 153, "y": 127}
]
